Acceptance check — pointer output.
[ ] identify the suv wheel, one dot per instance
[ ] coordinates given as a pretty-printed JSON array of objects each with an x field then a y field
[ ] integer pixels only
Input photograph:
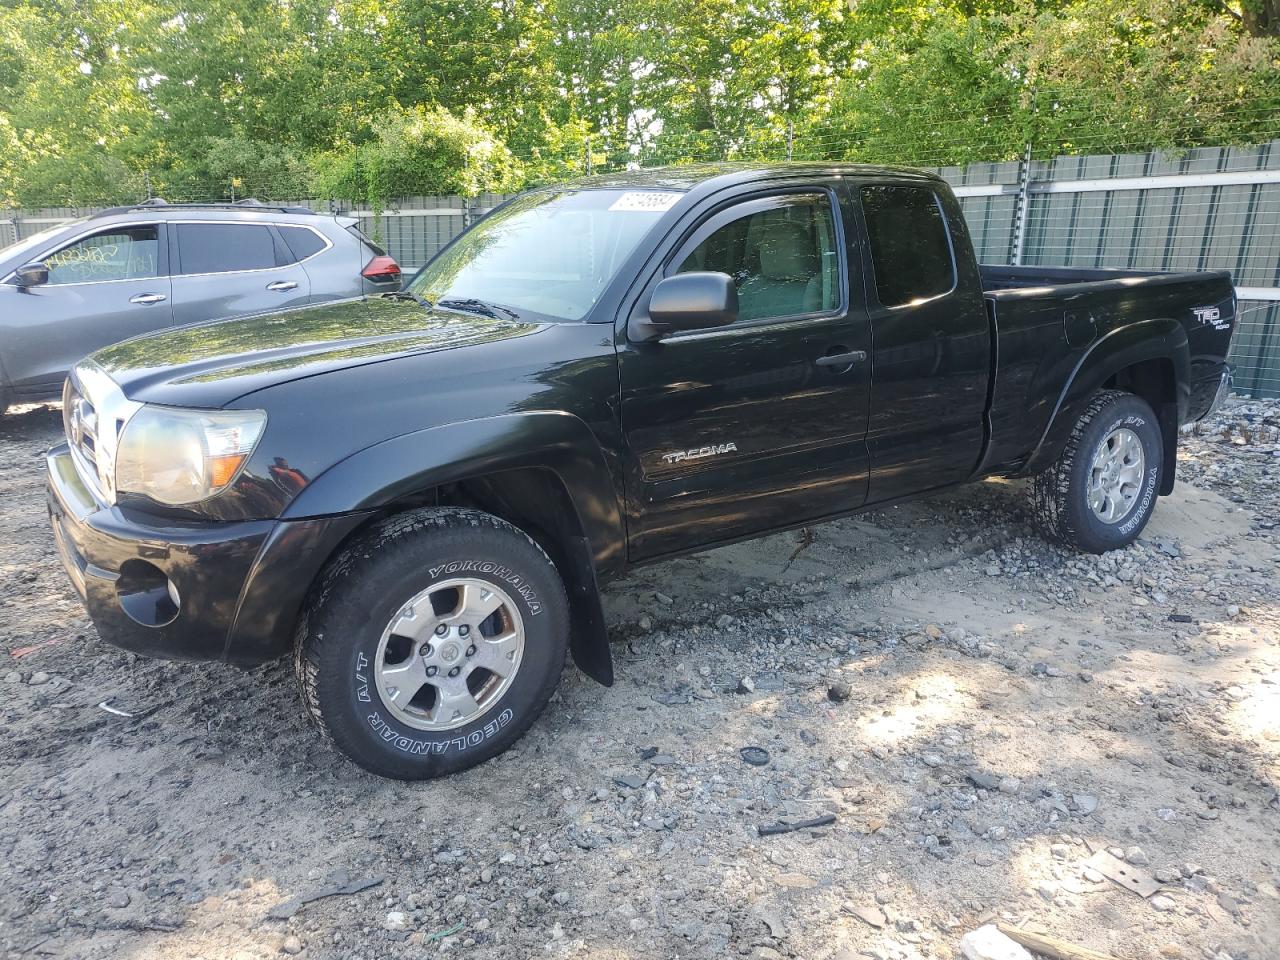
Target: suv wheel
[
  {"x": 1101, "y": 491},
  {"x": 432, "y": 643}
]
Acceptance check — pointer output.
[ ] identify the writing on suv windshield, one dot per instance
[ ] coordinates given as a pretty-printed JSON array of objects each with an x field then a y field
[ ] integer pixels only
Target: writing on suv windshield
[{"x": 549, "y": 253}]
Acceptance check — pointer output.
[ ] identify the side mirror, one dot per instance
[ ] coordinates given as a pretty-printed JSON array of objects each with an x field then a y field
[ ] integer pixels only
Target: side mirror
[
  {"x": 31, "y": 275},
  {"x": 688, "y": 301}
]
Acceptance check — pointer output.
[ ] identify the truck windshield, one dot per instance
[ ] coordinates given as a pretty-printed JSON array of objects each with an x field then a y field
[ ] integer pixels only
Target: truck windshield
[{"x": 548, "y": 253}]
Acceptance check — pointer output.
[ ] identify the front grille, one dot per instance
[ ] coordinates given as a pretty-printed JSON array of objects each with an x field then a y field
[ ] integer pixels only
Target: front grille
[
  {"x": 80, "y": 422},
  {"x": 94, "y": 412}
]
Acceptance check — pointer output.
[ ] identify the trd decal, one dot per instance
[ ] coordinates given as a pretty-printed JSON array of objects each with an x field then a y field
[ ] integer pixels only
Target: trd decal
[{"x": 1211, "y": 316}]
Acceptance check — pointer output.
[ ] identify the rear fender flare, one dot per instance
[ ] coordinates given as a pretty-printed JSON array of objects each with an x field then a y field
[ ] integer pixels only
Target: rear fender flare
[{"x": 1133, "y": 343}]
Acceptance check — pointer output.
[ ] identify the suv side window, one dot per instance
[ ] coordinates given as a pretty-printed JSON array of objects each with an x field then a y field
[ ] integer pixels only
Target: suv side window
[
  {"x": 121, "y": 253},
  {"x": 781, "y": 252},
  {"x": 910, "y": 244},
  {"x": 302, "y": 242},
  {"x": 225, "y": 247}
]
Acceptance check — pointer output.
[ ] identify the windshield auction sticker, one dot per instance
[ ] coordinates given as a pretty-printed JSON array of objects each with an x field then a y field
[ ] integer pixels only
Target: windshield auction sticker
[{"x": 645, "y": 201}]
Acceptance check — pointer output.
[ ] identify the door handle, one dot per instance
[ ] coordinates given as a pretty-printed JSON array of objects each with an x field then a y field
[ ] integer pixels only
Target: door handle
[
  {"x": 147, "y": 298},
  {"x": 281, "y": 285},
  {"x": 847, "y": 359}
]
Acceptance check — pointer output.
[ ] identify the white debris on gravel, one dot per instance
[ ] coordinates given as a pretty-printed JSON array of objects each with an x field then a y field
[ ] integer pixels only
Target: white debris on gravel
[
  {"x": 988, "y": 943},
  {"x": 980, "y": 711}
]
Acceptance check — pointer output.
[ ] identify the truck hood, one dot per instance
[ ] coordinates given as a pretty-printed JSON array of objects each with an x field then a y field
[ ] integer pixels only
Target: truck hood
[{"x": 211, "y": 364}]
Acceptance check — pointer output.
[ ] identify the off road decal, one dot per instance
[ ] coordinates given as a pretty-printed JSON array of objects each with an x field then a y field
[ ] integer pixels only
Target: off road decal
[
  {"x": 498, "y": 572},
  {"x": 417, "y": 747}
]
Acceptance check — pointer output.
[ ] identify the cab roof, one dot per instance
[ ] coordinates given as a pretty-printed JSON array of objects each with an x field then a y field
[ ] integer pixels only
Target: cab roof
[{"x": 686, "y": 177}]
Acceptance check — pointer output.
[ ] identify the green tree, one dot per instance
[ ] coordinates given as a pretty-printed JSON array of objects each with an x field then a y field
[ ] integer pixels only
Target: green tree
[
  {"x": 419, "y": 151},
  {"x": 72, "y": 109},
  {"x": 236, "y": 165},
  {"x": 388, "y": 97}
]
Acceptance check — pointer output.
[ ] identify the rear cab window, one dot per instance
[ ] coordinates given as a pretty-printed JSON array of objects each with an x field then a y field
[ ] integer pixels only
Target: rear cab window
[{"x": 910, "y": 243}]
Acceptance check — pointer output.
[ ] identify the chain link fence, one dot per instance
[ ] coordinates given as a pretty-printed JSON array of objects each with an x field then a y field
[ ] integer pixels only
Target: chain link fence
[{"x": 1200, "y": 209}]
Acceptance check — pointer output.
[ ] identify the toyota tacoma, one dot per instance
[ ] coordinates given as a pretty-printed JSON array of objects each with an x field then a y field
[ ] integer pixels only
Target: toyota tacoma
[{"x": 417, "y": 494}]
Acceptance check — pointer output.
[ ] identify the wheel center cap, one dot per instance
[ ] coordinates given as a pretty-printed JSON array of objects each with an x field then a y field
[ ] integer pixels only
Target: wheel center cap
[{"x": 450, "y": 652}]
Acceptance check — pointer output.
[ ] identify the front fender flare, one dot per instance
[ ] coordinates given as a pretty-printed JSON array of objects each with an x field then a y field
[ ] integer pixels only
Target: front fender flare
[
  {"x": 395, "y": 469},
  {"x": 392, "y": 471}
]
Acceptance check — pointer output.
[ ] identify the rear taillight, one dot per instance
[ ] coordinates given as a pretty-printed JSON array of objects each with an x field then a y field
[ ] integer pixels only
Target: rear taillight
[{"x": 381, "y": 270}]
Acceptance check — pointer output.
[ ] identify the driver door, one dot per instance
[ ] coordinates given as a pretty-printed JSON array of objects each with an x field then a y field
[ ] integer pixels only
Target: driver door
[
  {"x": 104, "y": 287},
  {"x": 749, "y": 427}
]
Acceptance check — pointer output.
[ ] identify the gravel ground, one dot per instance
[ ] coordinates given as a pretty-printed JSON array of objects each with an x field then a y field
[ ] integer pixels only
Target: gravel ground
[{"x": 977, "y": 710}]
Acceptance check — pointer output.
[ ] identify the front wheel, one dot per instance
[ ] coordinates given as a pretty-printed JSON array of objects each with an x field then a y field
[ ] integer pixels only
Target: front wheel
[
  {"x": 433, "y": 642},
  {"x": 1101, "y": 491}
]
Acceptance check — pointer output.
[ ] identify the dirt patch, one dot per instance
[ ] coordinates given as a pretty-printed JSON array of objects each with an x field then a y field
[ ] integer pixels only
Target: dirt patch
[{"x": 979, "y": 711}]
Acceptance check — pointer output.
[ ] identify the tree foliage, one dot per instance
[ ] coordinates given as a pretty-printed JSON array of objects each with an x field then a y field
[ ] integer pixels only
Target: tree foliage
[
  {"x": 370, "y": 99},
  {"x": 415, "y": 152}
]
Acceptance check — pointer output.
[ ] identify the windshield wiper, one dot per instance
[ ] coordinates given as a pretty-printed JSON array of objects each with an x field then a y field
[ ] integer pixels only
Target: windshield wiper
[
  {"x": 472, "y": 305},
  {"x": 404, "y": 295}
]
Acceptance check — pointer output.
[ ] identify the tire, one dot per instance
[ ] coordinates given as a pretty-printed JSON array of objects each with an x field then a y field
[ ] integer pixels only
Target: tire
[
  {"x": 359, "y": 622},
  {"x": 1060, "y": 496}
]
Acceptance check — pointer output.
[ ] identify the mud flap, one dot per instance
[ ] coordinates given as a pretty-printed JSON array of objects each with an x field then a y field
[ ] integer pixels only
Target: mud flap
[
  {"x": 1169, "y": 434},
  {"x": 589, "y": 635}
]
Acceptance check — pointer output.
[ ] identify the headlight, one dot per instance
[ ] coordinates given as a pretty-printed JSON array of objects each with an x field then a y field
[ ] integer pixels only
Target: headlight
[{"x": 180, "y": 457}]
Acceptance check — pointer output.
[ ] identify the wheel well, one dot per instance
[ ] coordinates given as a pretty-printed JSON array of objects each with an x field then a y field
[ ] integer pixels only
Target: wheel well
[
  {"x": 1152, "y": 380},
  {"x": 537, "y": 501},
  {"x": 1155, "y": 382}
]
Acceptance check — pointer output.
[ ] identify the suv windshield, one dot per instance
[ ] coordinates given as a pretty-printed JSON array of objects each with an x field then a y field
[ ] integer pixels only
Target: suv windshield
[
  {"x": 37, "y": 240},
  {"x": 548, "y": 253}
]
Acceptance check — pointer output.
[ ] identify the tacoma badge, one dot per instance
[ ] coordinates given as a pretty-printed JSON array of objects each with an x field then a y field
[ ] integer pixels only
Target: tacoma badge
[{"x": 698, "y": 453}]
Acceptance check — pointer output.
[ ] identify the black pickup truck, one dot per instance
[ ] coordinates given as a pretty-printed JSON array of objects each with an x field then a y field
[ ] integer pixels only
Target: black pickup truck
[{"x": 417, "y": 494}]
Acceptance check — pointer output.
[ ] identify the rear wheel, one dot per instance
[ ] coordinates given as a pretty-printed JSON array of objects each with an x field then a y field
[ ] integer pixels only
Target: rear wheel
[
  {"x": 1101, "y": 491},
  {"x": 433, "y": 643}
]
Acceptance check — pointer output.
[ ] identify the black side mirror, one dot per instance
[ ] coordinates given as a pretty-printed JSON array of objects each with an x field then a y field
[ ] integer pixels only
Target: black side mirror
[
  {"x": 31, "y": 275},
  {"x": 688, "y": 301}
]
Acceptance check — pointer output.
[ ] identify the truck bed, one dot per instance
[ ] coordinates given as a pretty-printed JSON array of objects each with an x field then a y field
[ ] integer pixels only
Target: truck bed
[
  {"x": 1045, "y": 320},
  {"x": 997, "y": 278}
]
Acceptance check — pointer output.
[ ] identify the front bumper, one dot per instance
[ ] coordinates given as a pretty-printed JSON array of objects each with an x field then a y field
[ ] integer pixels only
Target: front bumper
[{"x": 188, "y": 591}]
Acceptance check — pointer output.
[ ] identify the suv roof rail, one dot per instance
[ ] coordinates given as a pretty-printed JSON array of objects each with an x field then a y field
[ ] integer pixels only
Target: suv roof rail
[{"x": 250, "y": 202}]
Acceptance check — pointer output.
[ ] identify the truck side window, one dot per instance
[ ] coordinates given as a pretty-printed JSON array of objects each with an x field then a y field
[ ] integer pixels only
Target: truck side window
[
  {"x": 910, "y": 249},
  {"x": 124, "y": 253},
  {"x": 783, "y": 258}
]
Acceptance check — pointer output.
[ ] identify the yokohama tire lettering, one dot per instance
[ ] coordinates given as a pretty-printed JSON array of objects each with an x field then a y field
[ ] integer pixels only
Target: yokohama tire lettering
[
  {"x": 1149, "y": 490},
  {"x": 498, "y": 572},
  {"x": 1148, "y": 486}
]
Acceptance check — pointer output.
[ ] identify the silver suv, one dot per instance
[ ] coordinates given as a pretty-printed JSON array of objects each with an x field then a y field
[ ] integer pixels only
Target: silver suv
[{"x": 82, "y": 285}]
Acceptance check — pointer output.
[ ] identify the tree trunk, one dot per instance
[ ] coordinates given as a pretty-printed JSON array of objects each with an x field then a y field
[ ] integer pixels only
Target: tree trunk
[{"x": 1261, "y": 17}]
